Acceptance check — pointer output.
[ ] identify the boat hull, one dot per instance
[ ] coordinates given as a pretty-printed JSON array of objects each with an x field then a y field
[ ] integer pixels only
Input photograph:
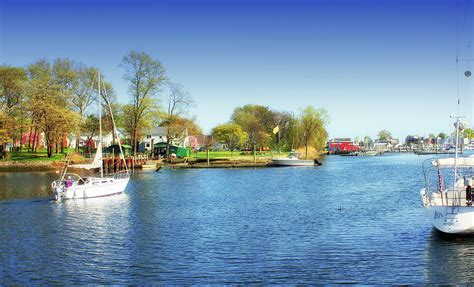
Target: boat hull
[
  {"x": 97, "y": 187},
  {"x": 449, "y": 219},
  {"x": 292, "y": 162}
]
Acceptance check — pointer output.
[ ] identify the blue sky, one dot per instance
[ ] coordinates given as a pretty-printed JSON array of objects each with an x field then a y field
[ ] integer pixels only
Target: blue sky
[{"x": 373, "y": 65}]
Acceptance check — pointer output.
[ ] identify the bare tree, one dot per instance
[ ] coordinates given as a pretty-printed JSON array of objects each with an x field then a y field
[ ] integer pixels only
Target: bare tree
[{"x": 177, "y": 104}]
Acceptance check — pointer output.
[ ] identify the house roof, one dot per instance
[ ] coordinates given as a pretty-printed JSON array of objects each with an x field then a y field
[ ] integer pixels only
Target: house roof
[{"x": 156, "y": 131}]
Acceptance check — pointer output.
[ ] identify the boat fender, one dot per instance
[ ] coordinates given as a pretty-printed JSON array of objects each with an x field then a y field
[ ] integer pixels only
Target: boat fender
[{"x": 53, "y": 185}]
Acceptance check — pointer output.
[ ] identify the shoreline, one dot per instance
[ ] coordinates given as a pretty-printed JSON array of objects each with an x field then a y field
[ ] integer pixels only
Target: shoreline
[
  {"x": 12, "y": 166},
  {"x": 20, "y": 166}
]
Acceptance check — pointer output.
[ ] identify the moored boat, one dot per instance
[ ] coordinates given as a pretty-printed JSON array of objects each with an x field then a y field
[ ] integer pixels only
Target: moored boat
[
  {"x": 73, "y": 186},
  {"x": 449, "y": 208},
  {"x": 293, "y": 159}
]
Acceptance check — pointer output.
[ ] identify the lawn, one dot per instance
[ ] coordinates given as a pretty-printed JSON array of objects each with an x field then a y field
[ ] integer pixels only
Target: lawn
[
  {"x": 39, "y": 156},
  {"x": 236, "y": 155}
]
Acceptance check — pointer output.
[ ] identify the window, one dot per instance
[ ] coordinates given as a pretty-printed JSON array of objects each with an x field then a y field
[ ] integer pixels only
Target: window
[
  {"x": 148, "y": 136},
  {"x": 147, "y": 145}
]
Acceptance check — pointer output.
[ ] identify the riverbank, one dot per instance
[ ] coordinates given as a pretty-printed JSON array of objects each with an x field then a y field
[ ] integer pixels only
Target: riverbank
[
  {"x": 193, "y": 162},
  {"x": 13, "y": 166},
  {"x": 220, "y": 163}
]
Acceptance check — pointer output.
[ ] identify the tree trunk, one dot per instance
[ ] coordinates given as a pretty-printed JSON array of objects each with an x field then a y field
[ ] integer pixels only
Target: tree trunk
[
  {"x": 167, "y": 150},
  {"x": 134, "y": 139},
  {"x": 254, "y": 154},
  {"x": 49, "y": 144},
  {"x": 306, "y": 155},
  {"x": 33, "y": 147},
  {"x": 62, "y": 145},
  {"x": 29, "y": 138}
]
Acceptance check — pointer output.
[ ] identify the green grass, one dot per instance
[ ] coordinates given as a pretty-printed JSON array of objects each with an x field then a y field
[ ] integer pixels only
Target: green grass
[
  {"x": 236, "y": 154},
  {"x": 39, "y": 156}
]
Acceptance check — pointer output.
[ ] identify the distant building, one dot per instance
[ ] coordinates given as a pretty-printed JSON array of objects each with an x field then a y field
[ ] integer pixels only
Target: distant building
[{"x": 342, "y": 146}]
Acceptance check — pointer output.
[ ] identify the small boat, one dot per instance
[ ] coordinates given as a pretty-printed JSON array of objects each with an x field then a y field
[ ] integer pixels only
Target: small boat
[
  {"x": 293, "y": 159},
  {"x": 73, "y": 186},
  {"x": 370, "y": 153},
  {"x": 426, "y": 152}
]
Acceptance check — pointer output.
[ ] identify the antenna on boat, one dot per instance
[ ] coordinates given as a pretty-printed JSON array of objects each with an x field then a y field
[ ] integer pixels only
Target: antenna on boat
[{"x": 100, "y": 122}]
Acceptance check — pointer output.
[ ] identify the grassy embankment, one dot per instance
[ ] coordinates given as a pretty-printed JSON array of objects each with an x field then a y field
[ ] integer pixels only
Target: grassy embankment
[
  {"x": 30, "y": 161},
  {"x": 38, "y": 161}
]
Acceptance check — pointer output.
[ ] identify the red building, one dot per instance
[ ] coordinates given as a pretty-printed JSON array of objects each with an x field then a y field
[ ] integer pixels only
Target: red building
[{"x": 342, "y": 145}]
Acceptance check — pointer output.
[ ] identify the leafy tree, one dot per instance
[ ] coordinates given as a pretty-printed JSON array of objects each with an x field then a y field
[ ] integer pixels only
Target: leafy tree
[
  {"x": 231, "y": 134},
  {"x": 442, "y": 135},
  {"x": 250, "y": 119},
  {"x": 12, "y": 85},
  {"x": 384, "y": 135},
  {"x": 367, "y": 142},
  {"x": 82, "y": 95},
  {"x": 49, "y": 104},
  {"x": 258, "y": 122},
  {"x": 144, "y": 75},
  {"x": 286, "y": 124},
  {"x": 468, "y": 133},
  {"x": 312, "y": 130}
]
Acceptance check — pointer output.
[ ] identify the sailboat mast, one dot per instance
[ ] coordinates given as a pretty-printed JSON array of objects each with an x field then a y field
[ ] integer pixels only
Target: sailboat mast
[{"x": 100, "y": 123}]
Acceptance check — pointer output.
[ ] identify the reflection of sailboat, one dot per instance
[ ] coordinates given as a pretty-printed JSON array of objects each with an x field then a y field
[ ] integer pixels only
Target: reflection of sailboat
[
  {"x": 74, "y": 186},
  {"x": 448, "y": 259}
]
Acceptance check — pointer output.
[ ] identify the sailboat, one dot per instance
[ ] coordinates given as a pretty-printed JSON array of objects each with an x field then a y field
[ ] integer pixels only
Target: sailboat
[
  {"x": 447, "y": 197},
  {"x": 74, "y": 186}
]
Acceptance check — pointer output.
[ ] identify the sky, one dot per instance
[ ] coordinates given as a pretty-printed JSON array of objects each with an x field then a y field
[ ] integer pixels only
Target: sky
[{"x": 372, "y": 64}]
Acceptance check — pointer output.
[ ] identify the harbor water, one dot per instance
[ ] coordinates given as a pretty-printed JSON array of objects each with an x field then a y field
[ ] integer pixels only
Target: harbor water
[{"x": 351, "y": 220}]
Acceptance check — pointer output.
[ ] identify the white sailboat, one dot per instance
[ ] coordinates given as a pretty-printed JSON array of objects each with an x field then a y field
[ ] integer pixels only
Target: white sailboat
[
  {"x": 449, "y": 207},
  {"x": 72, "y": 186},
  {"x": 447, "y": 196}
]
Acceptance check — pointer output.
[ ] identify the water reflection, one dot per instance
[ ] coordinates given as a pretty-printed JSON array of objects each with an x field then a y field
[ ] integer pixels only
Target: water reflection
[
  {"x": 449, "y": 259},
  {"x": 25, "y": 185}
]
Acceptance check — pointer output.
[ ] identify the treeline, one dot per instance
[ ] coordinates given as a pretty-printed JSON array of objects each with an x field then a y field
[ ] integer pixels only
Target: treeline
[
  {"x": 57, "y": 98},
  {"x": 257, "y": 127}
]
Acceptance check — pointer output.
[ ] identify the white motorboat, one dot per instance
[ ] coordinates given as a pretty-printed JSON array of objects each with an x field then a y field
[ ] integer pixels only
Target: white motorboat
[
  {"x": 293, "y": 159},
  {"x": 72, "y": 186}
]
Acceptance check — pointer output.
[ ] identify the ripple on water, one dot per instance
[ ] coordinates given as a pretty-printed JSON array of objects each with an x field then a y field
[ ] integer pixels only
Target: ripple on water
[{"x": 352, "y": 220}]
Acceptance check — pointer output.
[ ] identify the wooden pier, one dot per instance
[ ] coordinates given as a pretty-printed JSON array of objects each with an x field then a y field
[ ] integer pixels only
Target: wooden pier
[{"x": 112, "y": 165}]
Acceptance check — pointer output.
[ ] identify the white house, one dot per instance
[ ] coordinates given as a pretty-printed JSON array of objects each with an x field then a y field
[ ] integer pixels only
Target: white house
[
  {"x": 107, "y": 139},
  {"x": 159, "y": 134}
]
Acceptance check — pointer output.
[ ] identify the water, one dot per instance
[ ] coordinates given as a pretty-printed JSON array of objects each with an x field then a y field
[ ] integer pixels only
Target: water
[{"x": 352, "y": 220}]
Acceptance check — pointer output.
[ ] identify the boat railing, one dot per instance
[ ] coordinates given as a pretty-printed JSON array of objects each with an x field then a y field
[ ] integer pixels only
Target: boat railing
[{"x": 439, "y": 183}]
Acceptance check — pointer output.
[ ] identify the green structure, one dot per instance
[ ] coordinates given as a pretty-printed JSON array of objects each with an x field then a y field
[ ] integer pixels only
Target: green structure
[
  {"x": 160, "y": 149},
  {"x": 114, "y": 149}
]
